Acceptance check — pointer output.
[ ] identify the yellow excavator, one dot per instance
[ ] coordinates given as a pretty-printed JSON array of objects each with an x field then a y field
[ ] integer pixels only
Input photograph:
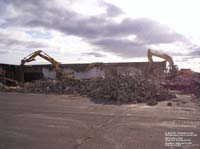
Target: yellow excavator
[
  {"x": 31, "y": 57},
  {"x": 172, "y": 68},
  {"x": 56, "y": 64}
]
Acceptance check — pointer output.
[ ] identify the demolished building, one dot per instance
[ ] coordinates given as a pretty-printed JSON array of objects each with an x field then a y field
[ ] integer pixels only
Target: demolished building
[
  {"x": 116, "y": 82},
  {"x": 80, "y": 71}
]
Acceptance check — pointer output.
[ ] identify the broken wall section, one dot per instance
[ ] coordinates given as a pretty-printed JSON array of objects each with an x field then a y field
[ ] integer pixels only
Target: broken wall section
[
  {"x": 145, "y": 69},
  {"x": 102, "y": 70},
  {"x": 81, "y": 71},
  {"x": 9, "y": 72}
]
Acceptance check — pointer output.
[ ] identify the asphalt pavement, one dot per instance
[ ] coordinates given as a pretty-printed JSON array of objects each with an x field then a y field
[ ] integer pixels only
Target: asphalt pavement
[{"x": 39, "y": 121}]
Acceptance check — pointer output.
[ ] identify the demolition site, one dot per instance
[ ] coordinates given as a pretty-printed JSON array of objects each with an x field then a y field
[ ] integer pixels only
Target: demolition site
[{"x": 97, "y": 105}]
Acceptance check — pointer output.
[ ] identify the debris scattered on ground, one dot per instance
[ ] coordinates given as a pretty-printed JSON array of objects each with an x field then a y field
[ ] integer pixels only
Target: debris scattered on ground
[
  {"x": 196, "y": 87},
  {"x": 169, "y": 104},
  {"x": 187, "y": 85},
  {"x": 8, "y": 81},
  {"x": 1, "y": 86},
  {"x": 152, "y": 102},
  {"x": 122, "y": 88}
]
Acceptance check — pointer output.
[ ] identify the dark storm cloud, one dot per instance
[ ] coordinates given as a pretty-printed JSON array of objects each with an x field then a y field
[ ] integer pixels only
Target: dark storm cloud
[
  {"x": 7, "y": 42},
  {"x": 124, "y": 48},
  {"x": 95, "y": 54},
  {"x": 195, "y": 53},
  {"x": 146, "y": 31},
  {"x": 3, "y": 52},
  {"x": 100, "y": 30},
  {"x": 112, "y": 10}
]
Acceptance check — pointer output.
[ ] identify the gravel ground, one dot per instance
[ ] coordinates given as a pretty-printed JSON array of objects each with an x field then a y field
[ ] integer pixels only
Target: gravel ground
[{"x": 40, "y": 121}]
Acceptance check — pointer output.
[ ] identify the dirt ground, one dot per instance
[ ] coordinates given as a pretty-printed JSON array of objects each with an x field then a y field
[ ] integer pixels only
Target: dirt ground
[{"x": 39, "y": 121}]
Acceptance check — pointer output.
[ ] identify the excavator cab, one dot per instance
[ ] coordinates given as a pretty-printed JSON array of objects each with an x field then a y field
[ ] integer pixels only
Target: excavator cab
[{"x": 171, "y": 70}]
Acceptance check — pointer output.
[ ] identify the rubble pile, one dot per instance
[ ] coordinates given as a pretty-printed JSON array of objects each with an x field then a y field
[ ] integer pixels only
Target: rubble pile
[
  {"x": 128, "y": 88},
  {"x": 195, "y": 89},
  {"x": 120, "y": 88},
  {"x": 68, "y": 86},
  {"x": 1, "y": 86},
  {"x": 179, "y": 83},
  {"x": 187, "y": 85}
]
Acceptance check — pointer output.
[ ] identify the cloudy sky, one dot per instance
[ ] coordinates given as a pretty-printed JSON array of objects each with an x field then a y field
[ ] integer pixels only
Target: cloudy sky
[{"x": 79, "y": 31}]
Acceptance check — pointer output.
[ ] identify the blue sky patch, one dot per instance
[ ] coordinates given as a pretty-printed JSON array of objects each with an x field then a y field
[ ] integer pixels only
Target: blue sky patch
[{"x": 38, "y": 34}]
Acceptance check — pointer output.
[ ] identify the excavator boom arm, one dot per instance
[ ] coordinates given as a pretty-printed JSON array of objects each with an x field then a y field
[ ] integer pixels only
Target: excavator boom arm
[
  {"x": 51, "y": 60},
  {"x": 59, "y": 71},
  {"x": 172, "y": 69},
  {"x": 43, "y": 55},
  {"x": 152, "y": 53}
]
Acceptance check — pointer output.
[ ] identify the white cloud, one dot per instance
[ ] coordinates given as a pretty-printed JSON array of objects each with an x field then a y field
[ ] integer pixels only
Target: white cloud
[{"x": 67, "y": 29}]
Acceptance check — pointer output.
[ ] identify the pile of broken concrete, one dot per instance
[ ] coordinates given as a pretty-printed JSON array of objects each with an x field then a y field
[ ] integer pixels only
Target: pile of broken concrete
[
  {"x": 123, "y": 88},
  {"x": 187, "y": 85},
  {"x": 195, "y": 87}
]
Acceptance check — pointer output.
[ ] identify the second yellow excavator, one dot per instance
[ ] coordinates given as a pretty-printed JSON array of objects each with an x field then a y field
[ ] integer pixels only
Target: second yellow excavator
[{"x": 172, "y": 68}]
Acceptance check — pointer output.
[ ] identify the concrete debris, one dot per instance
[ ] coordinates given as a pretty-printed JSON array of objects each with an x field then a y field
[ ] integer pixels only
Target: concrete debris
[
  {"x": 169, "y": 104},
  {"x": 187, "y": 85},
  {"x": 123, "y": 88},
  {"x": 1, "y": 86},
  {"x": 196, "y": 88},
  {"x": 152, "y": 102},
  {"x": 6, "y": 88},
  {"x": 8, "y": 81}
]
